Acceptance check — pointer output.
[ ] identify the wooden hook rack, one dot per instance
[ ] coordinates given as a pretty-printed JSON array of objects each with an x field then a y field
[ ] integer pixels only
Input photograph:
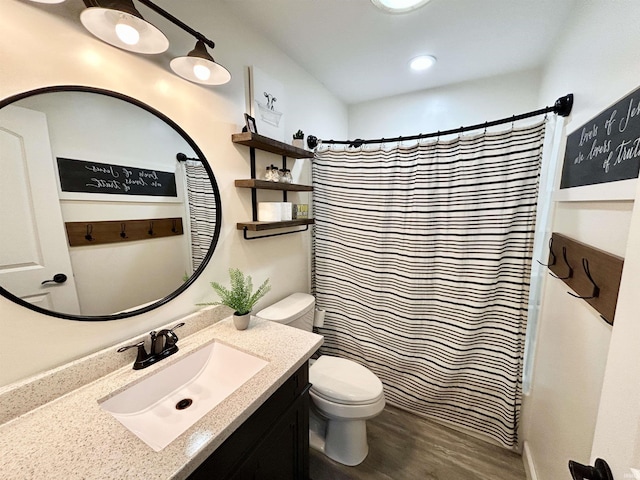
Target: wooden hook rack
[
  {"x": 594, "y": 275},
  {"x": 118, "y": 231}
]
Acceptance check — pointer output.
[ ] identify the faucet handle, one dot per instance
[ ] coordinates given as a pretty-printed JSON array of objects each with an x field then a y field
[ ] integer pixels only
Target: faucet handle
[
  {"x": 142, "y": 358},
  {"x": 172, "y": 338},
  {"x": 181, "y": 324}
]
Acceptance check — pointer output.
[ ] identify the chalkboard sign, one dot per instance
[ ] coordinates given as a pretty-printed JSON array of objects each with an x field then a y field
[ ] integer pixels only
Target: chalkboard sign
[
  {"x": 605, "y": 149},
  {"x": 91, "y": 177}
]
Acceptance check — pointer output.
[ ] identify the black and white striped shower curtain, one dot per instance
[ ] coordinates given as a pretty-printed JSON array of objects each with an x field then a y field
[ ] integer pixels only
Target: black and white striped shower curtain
[
  {"x": 202, "y": 210},
  {"x": 422, "y": 262}
]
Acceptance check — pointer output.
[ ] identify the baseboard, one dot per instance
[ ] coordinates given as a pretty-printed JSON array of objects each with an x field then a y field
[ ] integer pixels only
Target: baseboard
[{"x": 527, "y": 459}]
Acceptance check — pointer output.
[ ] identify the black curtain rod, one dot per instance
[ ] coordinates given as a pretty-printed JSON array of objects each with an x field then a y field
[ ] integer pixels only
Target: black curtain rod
[
  {"x": 562, "y": 107},
  {"x": 181, "y": 157},
  {"x": 177, "y": 22}
]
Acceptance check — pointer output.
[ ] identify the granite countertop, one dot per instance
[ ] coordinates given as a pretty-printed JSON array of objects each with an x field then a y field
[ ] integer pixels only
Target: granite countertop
[{"x": 71, "y": 437}]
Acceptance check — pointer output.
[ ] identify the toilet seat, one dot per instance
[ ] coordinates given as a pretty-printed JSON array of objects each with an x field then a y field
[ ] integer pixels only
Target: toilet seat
[{"x": 343, "y": 381}]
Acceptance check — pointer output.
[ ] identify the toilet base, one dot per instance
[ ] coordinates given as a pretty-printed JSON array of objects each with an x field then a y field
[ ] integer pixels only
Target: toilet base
[
  {"x": 346, "y": 441},
  {"x": 342, "y": 441}
]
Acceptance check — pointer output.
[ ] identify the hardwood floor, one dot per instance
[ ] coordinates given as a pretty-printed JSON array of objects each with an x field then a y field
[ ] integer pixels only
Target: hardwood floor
[{"x": 403, "y": 446}]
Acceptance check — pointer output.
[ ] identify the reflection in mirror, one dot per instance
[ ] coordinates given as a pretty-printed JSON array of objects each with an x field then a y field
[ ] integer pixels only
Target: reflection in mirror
[{"x": 100, "y": 219}]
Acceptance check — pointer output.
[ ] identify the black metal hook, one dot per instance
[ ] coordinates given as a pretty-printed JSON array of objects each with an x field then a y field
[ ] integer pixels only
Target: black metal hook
[
  {"x": 564, "y": 256},
  {"x": 150, "y": 231},
  {"x": 123, "y": 228},
  {"x": 596, "y": 289},
  {"x": 553, "y": 255},
  {"x": 88, "y": 236},
  {"x": 174, "y": 228}
]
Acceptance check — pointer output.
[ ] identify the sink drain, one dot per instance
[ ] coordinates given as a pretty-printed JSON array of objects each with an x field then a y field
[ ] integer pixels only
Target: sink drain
[{"x": 184, "y": 403}]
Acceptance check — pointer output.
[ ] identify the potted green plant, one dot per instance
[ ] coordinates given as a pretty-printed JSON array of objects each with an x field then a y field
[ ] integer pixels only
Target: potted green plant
[
  {"x": 298, "y": 139},
  {"x": 240, "y": 296}
]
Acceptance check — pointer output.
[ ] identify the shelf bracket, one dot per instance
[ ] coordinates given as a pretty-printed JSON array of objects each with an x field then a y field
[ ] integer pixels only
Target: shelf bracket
[{"x": 245, "y": 229}]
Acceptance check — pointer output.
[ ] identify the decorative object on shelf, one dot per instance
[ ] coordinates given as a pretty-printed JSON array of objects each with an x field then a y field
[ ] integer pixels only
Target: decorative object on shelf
[
  {"x": 269, "y": 212},
  {"x": 251, "y": 123},
  {"x": 300, "y": 210},
  {"x": 240, "y": 297},
  {"x": 119, "y": 23},
  {"x": 285, "y": 176},
  {"x": 298, "y": 139},
  {"x": 312, "y": 141},
  {"x": 266, "y": 102}
]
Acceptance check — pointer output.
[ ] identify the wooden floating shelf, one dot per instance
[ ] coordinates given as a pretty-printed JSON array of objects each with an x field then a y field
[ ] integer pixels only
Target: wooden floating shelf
[
  {"x": 259, "y": 226},
  {"x": 267, "y": 144},
  {"x": 266, "y": 185}
]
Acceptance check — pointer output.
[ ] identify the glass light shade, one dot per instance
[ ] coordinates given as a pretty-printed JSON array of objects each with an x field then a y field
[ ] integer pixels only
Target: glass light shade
[
  {"x": 399, "y": 6},
  {"x": 102, "y": 22},
  {"x": 199, "y": 67},
  {"x": 421, "y": 63}
]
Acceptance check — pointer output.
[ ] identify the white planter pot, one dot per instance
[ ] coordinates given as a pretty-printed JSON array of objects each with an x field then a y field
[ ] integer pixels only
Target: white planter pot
[
  {"x": 298, "y": 142},
  {"x": 241, "y": 322}
]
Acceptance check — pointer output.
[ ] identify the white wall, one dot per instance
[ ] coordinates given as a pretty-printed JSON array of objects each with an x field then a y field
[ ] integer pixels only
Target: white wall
[
  {"x": 595, "y": 60},
  {"x": 448, "y": 107},
  {"x": 68, "y": 55}
]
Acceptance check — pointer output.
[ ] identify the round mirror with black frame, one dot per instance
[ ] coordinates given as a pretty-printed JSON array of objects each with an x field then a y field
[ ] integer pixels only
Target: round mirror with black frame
[{"x": 109, "y": 209}]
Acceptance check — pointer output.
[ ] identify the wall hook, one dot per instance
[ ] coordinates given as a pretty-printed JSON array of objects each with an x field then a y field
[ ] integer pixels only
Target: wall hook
[
  {"x": 553, "y": 255},
  {"x": 596, "y": 289},
  {"x": 88, "y": 236},
  {"x": 174, "y": 228},
  {"x": 150, "y": 231},
  {"x": 564, "y": 256},
  {"x": 123, "y": 228}
]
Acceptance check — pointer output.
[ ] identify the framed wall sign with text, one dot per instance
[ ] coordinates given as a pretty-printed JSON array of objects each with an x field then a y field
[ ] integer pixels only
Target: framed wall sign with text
[{"x": 605, "y": 149}]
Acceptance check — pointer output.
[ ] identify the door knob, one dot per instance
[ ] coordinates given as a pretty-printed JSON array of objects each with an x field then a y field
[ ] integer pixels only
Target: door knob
[
  {"x": 600, "y": 471},
  {"x": 57, "y": 278}
]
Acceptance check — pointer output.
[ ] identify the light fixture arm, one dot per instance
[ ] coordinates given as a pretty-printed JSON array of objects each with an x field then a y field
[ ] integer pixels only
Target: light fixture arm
[{"x": 177, "y": 22}]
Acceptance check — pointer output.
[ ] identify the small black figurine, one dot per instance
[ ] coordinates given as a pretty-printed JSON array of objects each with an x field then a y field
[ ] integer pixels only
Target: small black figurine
[{"x": 312, "y": 141}]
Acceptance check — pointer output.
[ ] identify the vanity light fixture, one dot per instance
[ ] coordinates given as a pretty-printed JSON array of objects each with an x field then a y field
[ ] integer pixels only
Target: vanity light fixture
[
  {"x": 200, "y": 67},
  {"x": 119, "y": 23},
  {"x": 399, "y": 6},
  {"x": 422, "y": 63}
]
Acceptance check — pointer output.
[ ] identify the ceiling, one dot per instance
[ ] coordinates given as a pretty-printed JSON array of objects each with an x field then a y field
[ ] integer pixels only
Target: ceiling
[{"x": 361, "y": 53}]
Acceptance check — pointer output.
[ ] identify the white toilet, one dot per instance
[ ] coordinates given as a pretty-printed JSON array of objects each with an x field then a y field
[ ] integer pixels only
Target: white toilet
[{"x": 344, "y": 394}]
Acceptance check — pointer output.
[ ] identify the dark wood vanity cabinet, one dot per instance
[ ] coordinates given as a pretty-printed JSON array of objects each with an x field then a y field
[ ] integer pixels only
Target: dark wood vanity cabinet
[{"x": 272, "y": 444}]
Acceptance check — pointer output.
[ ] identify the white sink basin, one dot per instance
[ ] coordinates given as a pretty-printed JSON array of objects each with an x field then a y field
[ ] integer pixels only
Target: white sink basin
[{"x": 157, "y": 409}]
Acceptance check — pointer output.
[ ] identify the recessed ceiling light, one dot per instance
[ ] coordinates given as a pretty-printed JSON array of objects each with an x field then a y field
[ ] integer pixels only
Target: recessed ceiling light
[
  {"x": 399, "y": 6},
  {"x": 421, "y": 63}
]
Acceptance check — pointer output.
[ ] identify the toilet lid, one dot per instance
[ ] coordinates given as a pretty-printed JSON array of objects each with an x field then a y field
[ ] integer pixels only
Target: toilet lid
[{"x": 344, "y": 381}]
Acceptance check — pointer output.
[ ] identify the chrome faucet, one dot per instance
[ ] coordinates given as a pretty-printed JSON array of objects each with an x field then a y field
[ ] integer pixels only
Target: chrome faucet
[{"x": 163, "y": 344}]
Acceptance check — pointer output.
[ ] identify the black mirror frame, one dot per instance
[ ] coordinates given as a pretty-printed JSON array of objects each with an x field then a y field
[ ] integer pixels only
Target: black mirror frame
[{"x": 200, "y": 155}]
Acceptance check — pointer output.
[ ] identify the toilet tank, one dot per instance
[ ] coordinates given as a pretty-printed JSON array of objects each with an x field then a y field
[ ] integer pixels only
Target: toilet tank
[{"x": 296, "y": 310}]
